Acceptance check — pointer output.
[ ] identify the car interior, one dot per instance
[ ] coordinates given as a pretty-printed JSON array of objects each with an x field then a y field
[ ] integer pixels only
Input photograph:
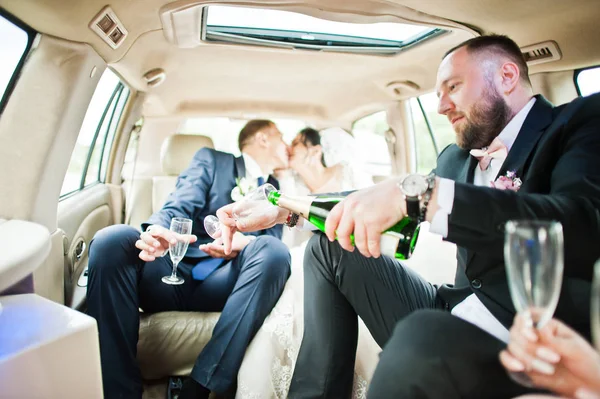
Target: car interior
[{"x": 103, "y": 105}]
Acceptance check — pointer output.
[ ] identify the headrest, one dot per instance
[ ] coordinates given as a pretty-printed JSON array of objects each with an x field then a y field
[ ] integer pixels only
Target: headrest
[{"x": 178, "y": 150}]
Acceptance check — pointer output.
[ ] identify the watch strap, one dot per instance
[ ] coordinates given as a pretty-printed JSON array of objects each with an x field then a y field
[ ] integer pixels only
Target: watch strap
[
  {"x": 412, "y": 207},
  {"x": 427, "y": 196}
]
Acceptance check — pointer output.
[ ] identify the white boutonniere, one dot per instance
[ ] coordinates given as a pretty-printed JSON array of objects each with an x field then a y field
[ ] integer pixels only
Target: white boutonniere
[{"x": 243, "y": 187}]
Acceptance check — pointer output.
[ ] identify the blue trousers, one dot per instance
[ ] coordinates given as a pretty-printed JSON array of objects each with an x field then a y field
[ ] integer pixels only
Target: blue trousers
[{"x": 244, "y": 289}]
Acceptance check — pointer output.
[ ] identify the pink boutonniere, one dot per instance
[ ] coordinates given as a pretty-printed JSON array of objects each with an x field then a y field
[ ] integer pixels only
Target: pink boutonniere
[{"x": 508, "y": 182}]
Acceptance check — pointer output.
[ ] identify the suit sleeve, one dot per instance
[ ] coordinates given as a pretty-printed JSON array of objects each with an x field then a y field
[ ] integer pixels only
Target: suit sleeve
[
  {"x": 479, "y": 213},
  {"x": 189, "y": 197},
  {"x": 275, "y": 231}
]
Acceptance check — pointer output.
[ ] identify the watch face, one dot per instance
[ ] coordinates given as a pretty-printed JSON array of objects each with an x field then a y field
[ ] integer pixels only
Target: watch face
[{"x": 414, "y": 185}]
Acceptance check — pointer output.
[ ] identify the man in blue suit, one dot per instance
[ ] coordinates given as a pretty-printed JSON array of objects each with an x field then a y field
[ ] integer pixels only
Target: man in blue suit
[{"x": 126, "y": 267}]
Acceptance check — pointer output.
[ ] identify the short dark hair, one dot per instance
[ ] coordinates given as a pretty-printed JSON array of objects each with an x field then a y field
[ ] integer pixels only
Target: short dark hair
[
  {"x": 313, "y": 137},
  {"x": 498, "y": 44},
  {"x": 250, "y": 129}
]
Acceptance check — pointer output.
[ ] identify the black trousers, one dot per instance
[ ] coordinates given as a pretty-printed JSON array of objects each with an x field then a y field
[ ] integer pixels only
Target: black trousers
[
  {"x": 427, "y": 352},
  {"x": 245, "y": 290}
]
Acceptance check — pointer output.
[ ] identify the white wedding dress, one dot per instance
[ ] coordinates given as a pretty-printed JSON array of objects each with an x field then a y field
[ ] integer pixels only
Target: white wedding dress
[{"x": 267, "y": 368}]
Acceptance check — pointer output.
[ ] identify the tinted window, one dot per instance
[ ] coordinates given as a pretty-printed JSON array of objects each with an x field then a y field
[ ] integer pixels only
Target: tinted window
[
  {"x": 13, "y": 54},
  {"x": 369, "y": 133},
  {"x": 89, "y": 159},
  {"x": 588, "y": 81},
  {"x": 428, "y": 143}
]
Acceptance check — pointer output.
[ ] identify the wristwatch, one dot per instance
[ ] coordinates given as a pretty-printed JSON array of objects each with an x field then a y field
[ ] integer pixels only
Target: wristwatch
[{"x": 416, "y": 187}]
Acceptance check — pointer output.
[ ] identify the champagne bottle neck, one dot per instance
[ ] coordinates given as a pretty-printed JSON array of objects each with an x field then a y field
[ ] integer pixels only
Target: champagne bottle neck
[{"x": 296, "y": 204}]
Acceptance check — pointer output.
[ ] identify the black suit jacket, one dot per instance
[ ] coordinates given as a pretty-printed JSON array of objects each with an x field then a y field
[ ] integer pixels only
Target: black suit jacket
[
  {"x": 201, "y": 189},
  {"x": 557, "y": 156}
]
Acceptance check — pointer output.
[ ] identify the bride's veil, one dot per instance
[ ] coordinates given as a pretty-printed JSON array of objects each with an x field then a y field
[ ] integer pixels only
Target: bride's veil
[{"x": 339, "y": 147}]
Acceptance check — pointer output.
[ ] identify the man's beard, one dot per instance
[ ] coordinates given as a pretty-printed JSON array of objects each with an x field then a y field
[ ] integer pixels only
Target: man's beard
[{"x": 487, "y": 119}]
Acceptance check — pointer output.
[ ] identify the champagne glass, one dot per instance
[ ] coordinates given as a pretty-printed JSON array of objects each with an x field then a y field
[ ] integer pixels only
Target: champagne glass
[
  {"x": 183, "y": 228},
  {"x": 255, "y": 203},
  {"x": 595, "y": 308},
  {"x": 533, "y": 255}
]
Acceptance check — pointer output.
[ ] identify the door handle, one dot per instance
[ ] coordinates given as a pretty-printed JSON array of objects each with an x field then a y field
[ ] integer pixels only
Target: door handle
[{"x": 79, "y": 250}]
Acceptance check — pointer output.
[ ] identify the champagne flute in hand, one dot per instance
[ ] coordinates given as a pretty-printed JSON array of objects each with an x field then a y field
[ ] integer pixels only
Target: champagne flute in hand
[
  {"x": 183, "y": 228},
  {"x": 255, "y": 203},
  {"x": 533, "y": 255}
]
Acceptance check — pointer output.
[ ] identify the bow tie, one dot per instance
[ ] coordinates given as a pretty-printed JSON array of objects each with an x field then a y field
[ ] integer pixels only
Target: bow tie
[{"x": 495, "y": 150}]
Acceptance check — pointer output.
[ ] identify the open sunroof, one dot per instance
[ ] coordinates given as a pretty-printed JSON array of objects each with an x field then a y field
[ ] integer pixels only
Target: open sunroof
[{"x": 266, "y": 27}]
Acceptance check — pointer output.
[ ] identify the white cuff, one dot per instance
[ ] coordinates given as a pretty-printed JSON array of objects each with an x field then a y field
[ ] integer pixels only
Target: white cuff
[
  {"x": 305, "y": 225},
  {"x": 445, "y": 195},
  {"x": 445, "y": 201}
]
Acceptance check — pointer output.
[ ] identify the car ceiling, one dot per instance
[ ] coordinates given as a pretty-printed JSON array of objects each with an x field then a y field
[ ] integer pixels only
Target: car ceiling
[{"x": 220, "y": 79}]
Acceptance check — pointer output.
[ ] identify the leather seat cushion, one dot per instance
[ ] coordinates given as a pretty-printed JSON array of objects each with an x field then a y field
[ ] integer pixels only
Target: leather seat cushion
[{"x": 170, "y": 342}]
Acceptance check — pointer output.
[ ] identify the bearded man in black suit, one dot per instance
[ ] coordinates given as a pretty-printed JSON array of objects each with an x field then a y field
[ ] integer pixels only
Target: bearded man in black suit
[{"x": 443, "y": 342}]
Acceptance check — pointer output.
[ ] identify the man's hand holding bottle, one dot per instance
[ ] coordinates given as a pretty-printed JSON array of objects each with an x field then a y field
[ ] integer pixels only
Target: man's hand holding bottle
[
  {"x": 366, "y": 214},
  {"x": 358, "y": 220}
]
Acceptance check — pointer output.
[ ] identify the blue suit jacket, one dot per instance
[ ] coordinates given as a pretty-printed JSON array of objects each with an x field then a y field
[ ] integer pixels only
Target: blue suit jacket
[{"x": 201, "y": 189}]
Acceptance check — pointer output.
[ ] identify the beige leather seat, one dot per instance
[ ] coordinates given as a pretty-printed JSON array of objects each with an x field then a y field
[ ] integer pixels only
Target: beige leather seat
[{"x": 170, "y": 341}]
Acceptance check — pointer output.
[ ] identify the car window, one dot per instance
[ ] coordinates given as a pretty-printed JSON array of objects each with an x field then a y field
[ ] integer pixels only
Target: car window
[
  {"x": 432, "y": 132},
  {"x": 224, "y": 131},
  {"x": 89, "y": 159},
  {"x": 588, "y": 81},
  {"x": 369, "y": 133},
  {"x": 13, "y": 53}
]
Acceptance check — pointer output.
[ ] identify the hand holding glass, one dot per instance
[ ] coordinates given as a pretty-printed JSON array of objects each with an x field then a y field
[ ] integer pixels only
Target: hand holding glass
[
  {"x": 533, "y": 255},
  {"x": 254, "y": 204},
  {"x": 183, "y": 228}
]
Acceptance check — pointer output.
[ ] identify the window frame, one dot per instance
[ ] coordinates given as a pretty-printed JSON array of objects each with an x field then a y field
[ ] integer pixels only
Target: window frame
[
  {"x": 576, "y": 75},
  {"x": 31, "y": 37},
  {"x": 111, "y": 106}
]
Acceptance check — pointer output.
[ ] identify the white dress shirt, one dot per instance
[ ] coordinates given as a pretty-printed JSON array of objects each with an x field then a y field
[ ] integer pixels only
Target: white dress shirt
[
  {"x": 471, "y": 308},
  {"x": 253, "y": 169}
]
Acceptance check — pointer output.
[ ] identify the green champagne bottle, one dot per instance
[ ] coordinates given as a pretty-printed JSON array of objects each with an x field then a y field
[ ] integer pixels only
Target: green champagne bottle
[{"x": 397, "y": 242}]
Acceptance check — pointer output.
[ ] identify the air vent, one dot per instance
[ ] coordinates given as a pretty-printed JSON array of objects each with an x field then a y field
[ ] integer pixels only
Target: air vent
[
  {"x": 541, "y": 52},
  {"x": 109, "y": 28}
]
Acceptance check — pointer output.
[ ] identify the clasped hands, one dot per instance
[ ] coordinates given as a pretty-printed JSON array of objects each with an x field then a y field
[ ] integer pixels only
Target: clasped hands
[{"x": 365, "y": 213}]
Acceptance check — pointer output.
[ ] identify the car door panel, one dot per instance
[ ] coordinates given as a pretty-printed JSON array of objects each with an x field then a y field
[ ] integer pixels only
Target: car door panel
[{"x": 81, "y": 216}]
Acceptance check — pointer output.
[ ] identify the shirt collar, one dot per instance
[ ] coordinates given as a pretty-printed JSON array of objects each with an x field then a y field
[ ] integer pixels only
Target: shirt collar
[
  {"x": 253, "y": 169},
  {"x": 509, "y": 134}
]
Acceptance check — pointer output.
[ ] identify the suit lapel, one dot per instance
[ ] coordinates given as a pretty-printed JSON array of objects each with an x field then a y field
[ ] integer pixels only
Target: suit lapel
[
  {"x": 468, "y": 174},
  {"x": 532, "y": 130},
  {"x": 240, "y": 167},
  {"x": 538, "y": 119}
]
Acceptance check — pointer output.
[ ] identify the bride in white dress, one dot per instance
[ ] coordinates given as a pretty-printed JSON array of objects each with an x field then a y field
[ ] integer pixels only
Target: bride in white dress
[{"x": 320, "y": 162}]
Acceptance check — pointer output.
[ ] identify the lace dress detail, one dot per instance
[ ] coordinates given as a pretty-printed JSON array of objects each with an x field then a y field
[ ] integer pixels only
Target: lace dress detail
[
  {"x": 267, "y": 369},
  {"x": 268, "y": 366}
]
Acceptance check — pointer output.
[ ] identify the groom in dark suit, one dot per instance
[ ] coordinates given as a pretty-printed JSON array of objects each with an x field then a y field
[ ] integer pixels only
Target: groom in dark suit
[
  {"x": 443, "y": 342},
  {"x": 126, "y": 267}
]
